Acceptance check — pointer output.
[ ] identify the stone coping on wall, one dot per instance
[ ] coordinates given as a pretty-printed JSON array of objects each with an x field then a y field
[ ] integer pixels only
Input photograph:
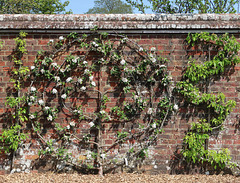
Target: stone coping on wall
[{"x": 127, "y": 23}]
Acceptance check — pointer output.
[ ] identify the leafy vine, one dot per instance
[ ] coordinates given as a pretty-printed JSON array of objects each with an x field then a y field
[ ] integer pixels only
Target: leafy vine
[{"x": 196, "y": 81}]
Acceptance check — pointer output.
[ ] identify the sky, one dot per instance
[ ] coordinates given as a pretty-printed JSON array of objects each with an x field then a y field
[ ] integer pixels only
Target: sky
[{"x": 82, "y": 6}]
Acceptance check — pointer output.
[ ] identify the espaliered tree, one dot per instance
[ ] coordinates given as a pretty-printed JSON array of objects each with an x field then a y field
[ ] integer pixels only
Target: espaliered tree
[
  {"x": 132, "y": 94},
  {"x": 195, "y": 87},
  {"x": 140, "y": 83}
]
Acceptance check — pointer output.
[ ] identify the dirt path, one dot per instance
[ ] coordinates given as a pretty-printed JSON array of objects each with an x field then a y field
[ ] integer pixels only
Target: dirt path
[{"x": 111, "y": 178}]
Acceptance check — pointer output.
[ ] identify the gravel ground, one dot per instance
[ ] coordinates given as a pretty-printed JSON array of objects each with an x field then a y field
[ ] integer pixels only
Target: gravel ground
[{"x": 137, "y": 178}]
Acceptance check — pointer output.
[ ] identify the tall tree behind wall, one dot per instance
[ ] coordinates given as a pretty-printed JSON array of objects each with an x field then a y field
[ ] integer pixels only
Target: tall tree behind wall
[
  {"x": 186, "y": 6},
  {"x": 110, "y": 7},
  {"x": 33, "y": 7}
]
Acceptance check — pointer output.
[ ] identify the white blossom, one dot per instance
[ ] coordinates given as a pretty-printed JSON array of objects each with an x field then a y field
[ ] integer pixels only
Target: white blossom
[
  {"x": 72, "y": 123},
  {"x": 49, "y": 118},
  {"x": 68, "y": 127},
  {"x": 83, "y": 88},
  {"x": 153, "y": 49},
  {"x": 154, "y": 125},
  {"x": 32, "y": 67},
  {"x": 54, "y": 91},
  {"x": 175, "y": 107},
  {"x": 122, "y": 62},
  {"x": 59, "y": 84},
  {"x": 69, "y": 79},
  {"x": 57, "y": 78},
  {"x": 32, "y": 98},
  {"x": 29, "y": 103},
  {"x": 95, "y": 44},
  {"x": 61, "y": 38},
  {"x": 31, "y": 116},
  {"x": 155, "y": 166},
  {"x": 153, "y": 60},
  {"x": 144, "y": 92},
  {"x": 161, "y": 66},
  {"x": 124, "y": 40},
  {"x": 125, "y": 80},
  {"x": 64, "y": 96},
  {"x": 33, "y": 89},
  {"x": 140, "y": 49},
  {"x": 68, "y": 68},
  {"x": 62, "y": 70},
  {"x": 89, "y": 156},
  {"x": 85, "y": 62},
  {"x": 102, "y": 112},
  {"x": 103, "y": 156},
  {"x": 150, "y": 111},
  {"x": 41, "y": 102},
  {"x": 86, "y": 71},
  {"x": 46, "y": 108},
  {"x": 91, "y": 124},
  {"x": 42, "y": 71},
  {"x": 80, "y": 80},
  {"x": 93, "y": 83},
  {"x": 51, "y": 41},
  {"x": 54, "y": 64},
  {"x": 75, "y": 60},
  {"x": 91, "y": 78}
]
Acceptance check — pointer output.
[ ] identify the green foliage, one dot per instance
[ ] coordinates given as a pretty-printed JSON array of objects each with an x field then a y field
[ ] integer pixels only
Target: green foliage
[
  {"x": 110, "y": 7},
  {"x": 33, "y": 7},
  {"x": 11, "y": 138},
  {"x": 182, "y": 6},
  {"x": 136, "y": 80},
  {"x": 227, "y": 56}
]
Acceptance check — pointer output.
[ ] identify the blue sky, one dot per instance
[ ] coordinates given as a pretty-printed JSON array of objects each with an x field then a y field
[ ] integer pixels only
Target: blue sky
[{"x": 82, "y": 6}]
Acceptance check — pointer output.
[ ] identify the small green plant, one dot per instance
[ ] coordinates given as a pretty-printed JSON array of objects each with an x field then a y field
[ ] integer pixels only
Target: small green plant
[{"x": 12, "y": 138}]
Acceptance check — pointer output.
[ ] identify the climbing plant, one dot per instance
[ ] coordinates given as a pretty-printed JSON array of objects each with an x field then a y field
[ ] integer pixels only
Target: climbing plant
[
  {"x": 130, "y": 94},
  {"x": 73, "y": 72},
  {"x": 13, "y": 136},
  {"x": 195, "y": 87}
]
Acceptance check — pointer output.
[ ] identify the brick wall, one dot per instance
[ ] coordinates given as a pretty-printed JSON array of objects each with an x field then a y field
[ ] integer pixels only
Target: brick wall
[{"x": 165, "y": 32}]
